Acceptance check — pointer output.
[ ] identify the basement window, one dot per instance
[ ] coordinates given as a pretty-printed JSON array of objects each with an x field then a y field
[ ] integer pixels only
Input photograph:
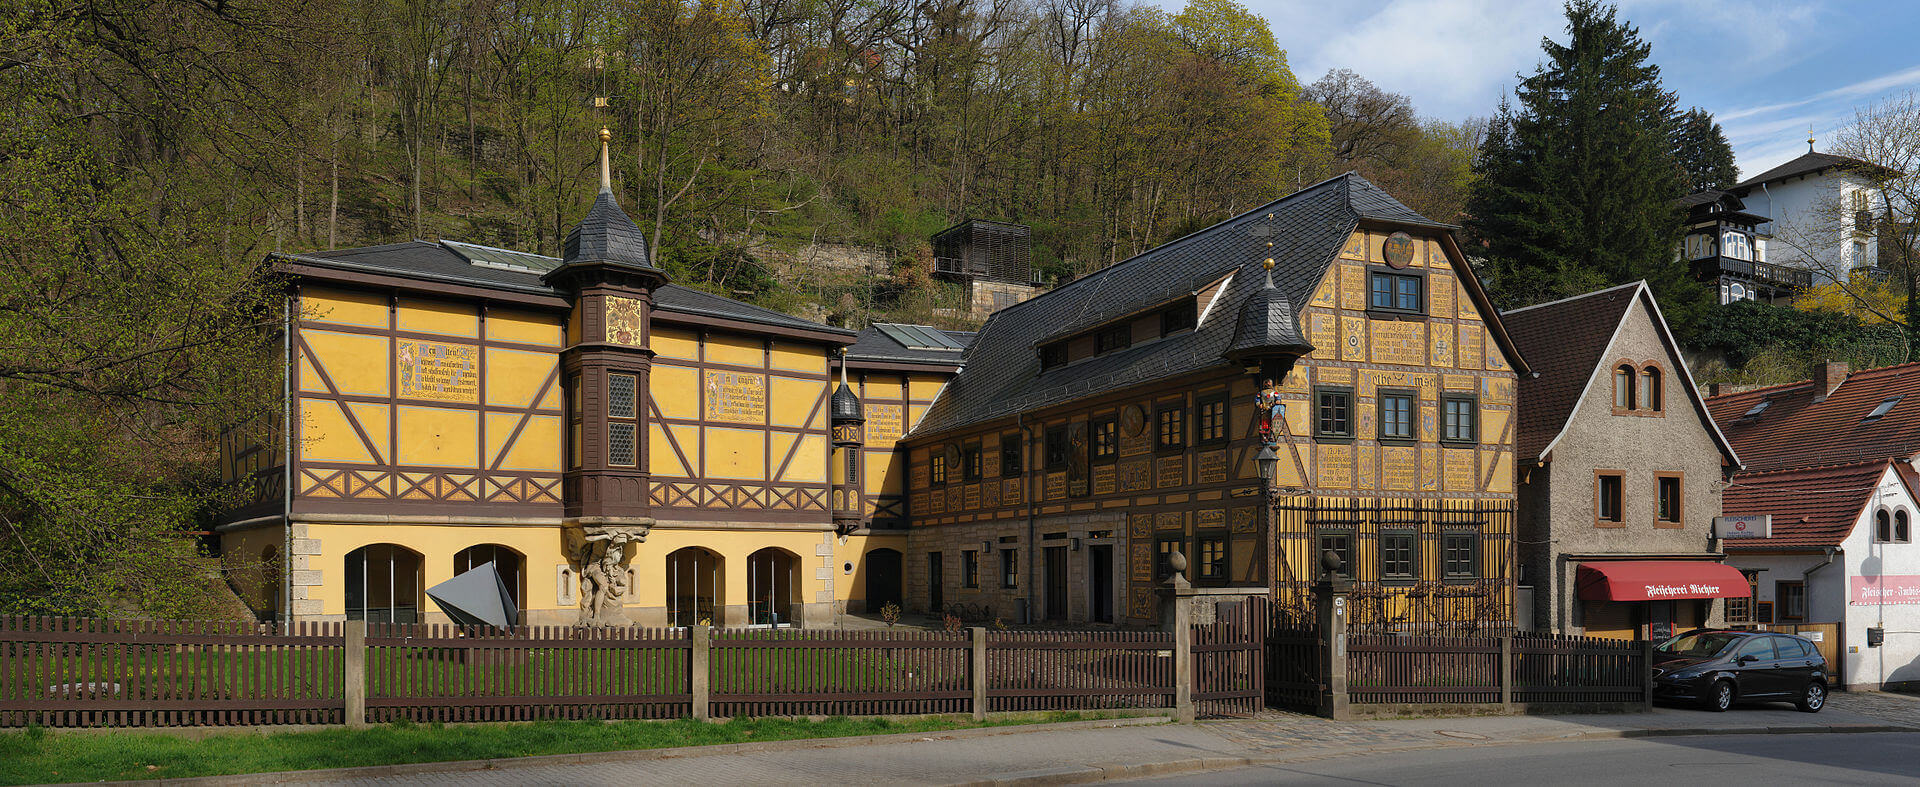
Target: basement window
[{"x": 1885, "y": 407}]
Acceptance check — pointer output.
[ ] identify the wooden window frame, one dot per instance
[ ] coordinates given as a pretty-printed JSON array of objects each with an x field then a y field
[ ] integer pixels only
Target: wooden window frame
[
  {"x": 1011, "y": 448},
  {"x": 1746, "y": 609},
  {"x": 1059, "y": 448},
  {"x": 1103, "y": 439},
  {"x": 576, "y": 428},
  {"x": 1201, "y": 566},
  {"x": 970, "y": 462},
  {"x": 970, "y": 568},
  {"x": 1319, "y": 420},
  {"x": 1412, "y": 574},
  {"x": 1651, "y": 389},
  {"x": 1219, "y": 402},
  {"x": 1380, "y": 398},
  {"x": 1009, "y": 567},
  {"x": 632, "y": 420},
  {"x": 937, "y": 466},
  {"x": 1319, "y": 546},
  {"x": 1053, "y": 356},
  {"x": 1161, "y": 416},
  {"x": 1473, "y": 414},
  {"x": 1182, "y": 316},
  {"x": 1781, "y": 610},
  {"x": 1679, "y": 520},
  {"x": 1473, "y": 556},
  {"x": 1620, "y": 504},
  {"x": 1397, "y": 312},
  {"x": 1162, "y": 566},
  {"x": 1625, "y": 369},
  {"x": 1112, "y": 338}
]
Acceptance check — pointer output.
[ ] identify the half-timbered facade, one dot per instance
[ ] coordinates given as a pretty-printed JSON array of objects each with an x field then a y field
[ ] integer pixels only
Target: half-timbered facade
[
  {"x": 1099, "y": 428},
  {"x": 618, "y": 447}
]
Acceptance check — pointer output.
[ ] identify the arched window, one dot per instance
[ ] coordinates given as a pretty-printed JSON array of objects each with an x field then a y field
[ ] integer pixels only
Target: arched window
[
  {"x": 771, "y": 581},
  {"x": 383, "y": 584},
  {"x": 506, "y": 561},
  {"x": 1900, "y": 533},
  {"x": 1623, "y": 387},
  {"x": 1650, "y": 384},
  {"x": 1883, "y": 526},
  {"x": 693, "y": 587}
]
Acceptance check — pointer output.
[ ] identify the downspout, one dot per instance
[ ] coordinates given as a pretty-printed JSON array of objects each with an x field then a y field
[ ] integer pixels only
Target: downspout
[
  {"x": 1807, "y": 575},
  {"x": 1026, "y": 493},
  {"x": 286, "y": 461},
  {"x": 1806, "y": 581}
]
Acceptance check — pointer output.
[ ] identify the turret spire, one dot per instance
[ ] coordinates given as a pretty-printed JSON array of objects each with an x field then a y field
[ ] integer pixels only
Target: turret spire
[{"x": 606, "y": 169}]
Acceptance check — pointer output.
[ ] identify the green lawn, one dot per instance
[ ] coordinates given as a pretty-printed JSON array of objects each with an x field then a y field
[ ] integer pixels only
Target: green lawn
[{"x": 37, "y": 756}]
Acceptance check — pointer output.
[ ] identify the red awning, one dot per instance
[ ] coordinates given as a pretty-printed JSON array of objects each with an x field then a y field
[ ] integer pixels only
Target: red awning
[{"x": 1659, "y": 580}]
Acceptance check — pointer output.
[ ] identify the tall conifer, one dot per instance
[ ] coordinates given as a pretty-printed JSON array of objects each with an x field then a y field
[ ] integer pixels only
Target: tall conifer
[
  {"x": 1705, "y": 156},
  {"x": 1576, "y": 180}
]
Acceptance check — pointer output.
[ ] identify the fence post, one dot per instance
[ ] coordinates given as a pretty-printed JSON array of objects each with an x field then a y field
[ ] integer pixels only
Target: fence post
[
  {"x": 699, "y": 671},
  {"x": 1506, "y": 672},
  {"x": 1646, "y": 674},
  {"x": 1330, "y": 601},
  {"x": 354, "y": 669},
  {"x": 978, "y": 678}
]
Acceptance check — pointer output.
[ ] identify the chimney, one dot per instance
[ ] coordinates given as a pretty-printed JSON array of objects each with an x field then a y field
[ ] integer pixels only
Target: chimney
[{"x": 1828, "y": 377}]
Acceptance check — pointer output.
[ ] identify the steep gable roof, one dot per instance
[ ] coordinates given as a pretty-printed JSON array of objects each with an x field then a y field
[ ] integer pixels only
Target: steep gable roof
[
  {"x": 1794, "y": 430},
  {"x": 1307, "y": 229},
  {"x": 1566, "y": 345},
  {"x": 1811, "y": 507},
  {"x": 1808, "y": 163}
]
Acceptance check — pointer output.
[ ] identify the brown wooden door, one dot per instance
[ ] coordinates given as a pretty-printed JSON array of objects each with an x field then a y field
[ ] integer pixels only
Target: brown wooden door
[{"x": 1609, "y": 619}]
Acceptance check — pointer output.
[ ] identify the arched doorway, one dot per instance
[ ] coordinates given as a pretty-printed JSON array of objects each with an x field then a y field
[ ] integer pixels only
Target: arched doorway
[
  {"x": 883, "y": 579},
  {"x": 506, "y": 561},
  {"x": 383, "y": 584},
  {"x": 771, "y": 580},
  {"x": 693, "y": 587}
]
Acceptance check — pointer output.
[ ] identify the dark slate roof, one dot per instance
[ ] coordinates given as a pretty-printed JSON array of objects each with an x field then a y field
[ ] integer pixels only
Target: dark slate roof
[
  {"x": 1563, "y": 342},
  {"x": 1811, "y": 508},
  {"x": 606, "y": 235},
  {"x": 1796, "y": 431},
  {"x": 1267, "y": 327},
  {"x": 875, "y": 345},
  {"x": 845, "y": 405},
  {"x": 1002, "y": 374},
  {"x": 435, "y": 262},
  {"x": 1808, "y": 163}
]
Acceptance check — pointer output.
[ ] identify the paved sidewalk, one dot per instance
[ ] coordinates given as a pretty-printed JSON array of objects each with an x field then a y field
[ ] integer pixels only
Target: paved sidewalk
[{"x": 1075, "y": 753}]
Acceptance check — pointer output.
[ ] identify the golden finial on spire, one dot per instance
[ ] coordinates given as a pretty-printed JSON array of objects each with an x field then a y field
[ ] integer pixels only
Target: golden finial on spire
[
  {"x": 606, "y": 169},
  {"x": 1268, "y": 263},
  {"x": 1809, "y": 137}
]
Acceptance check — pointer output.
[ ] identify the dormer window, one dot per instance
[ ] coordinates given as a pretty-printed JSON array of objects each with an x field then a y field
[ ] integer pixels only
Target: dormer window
[
  {"x": 1113, "y": 337},
  {"x": 1053, "y": 355},
  {"x": 1884, "y": 407},
  {"x": 1178, "y": 317}
]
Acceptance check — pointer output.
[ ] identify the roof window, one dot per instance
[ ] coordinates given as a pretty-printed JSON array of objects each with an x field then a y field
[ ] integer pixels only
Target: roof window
[
  {"x": 918, "y": 337},
  {"x": 1756, "y": 410},
  {"x": 1885, "y": 406}
]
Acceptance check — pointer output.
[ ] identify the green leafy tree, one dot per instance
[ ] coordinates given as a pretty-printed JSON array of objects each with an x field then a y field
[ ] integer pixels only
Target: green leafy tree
[{"x": 1576, "y": 178}]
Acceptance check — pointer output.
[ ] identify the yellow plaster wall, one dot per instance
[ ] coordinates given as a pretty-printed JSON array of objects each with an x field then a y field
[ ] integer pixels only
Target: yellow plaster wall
[
  {"x": 675, "y": 343},
  {"x": 327, "y": 436},
  {"x": 356, "y": 363},
  {"x": 852, "y": 586},
  {"x": 539, "y": 545},
  {"x": 438, "y": 437},
  {"x": 250, "y": 577},
  {"x": 736, "y": 453},
  {"x": 798, "y": 358},
  {"x": 514, "y": 377},
  {"x": 735, "y": 350},
  {"x": 511, "y": 325},
  {"x": 343, "y": 307},
  {"x": 435, "y": 316}
]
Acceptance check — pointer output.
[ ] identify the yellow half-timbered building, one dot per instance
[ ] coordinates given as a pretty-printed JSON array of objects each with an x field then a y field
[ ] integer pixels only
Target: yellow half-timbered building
[
  {"x": 1100, "y": 428},
  {"x": 620, "y": 448}
]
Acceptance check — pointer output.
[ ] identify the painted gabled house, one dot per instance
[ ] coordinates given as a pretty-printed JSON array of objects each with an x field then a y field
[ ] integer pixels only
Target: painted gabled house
[
  {"x": 1103, "y": 426},
  {"x": 1832, "y": 462},
  {"x": 1620, "y": 467}
]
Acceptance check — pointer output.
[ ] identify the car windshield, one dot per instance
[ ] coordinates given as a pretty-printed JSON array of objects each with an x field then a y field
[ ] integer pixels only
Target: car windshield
[{"x": 1699, "y": 643}]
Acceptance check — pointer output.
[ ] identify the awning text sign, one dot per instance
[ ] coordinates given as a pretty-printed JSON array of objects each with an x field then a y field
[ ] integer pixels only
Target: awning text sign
[
  {"x": 1750, "y": 526},
  {"x": 1891, "y": 589},
  {"x": 1658, "y": 580}
]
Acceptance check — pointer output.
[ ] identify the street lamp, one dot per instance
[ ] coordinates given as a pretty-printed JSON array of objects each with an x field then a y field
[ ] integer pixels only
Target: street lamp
[{"x": 1268, "y": 462}]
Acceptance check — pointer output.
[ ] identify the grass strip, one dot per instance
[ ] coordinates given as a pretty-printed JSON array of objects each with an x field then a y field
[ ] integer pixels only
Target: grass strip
[{"x": 36, "y": 755}]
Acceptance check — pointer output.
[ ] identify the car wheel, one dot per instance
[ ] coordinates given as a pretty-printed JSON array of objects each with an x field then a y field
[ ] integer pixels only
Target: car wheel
[
  {"x": 1720, "y": 696},
  {"x": 1813, "y": 697}
]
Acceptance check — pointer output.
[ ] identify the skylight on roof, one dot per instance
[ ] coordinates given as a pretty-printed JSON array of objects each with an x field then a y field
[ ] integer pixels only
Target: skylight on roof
[
  {"x": 1886, "y": 405},
  {"x": 503, "y": 259},
  {"x": 1756, "y": 410},
  {"x": 918, "y": 337}
]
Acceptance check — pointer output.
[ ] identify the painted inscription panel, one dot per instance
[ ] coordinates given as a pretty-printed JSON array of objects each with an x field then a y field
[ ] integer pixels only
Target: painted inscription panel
[
  {"x": 1400, "y": 342},
  {"x": 883, "y": 422},
  {"x": 438, "y": 371},
  {"x": 1213, "y": 466},
  {"x": 736, "y": 397}
]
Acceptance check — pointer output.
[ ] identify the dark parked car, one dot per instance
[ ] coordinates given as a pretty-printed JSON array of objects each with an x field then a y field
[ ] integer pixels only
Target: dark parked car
[{"x": 1718, "y": 668}]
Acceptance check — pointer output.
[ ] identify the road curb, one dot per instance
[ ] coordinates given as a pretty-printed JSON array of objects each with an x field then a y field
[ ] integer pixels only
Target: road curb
[
  {"x": 642, "y": 755},
  {"x": 1087, "y": 774}
]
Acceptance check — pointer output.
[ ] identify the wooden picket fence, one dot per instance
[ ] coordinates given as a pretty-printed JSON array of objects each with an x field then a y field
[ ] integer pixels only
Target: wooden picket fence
[
  {"x": 1079, "y": 670},
  {"x": 81, "y": 672},
  {"x": 788, "y": 672},
  {"x": 1523, "y": 668},
  {"x": 1550, "y": 668},
  {"x": 442, "y": 672}
]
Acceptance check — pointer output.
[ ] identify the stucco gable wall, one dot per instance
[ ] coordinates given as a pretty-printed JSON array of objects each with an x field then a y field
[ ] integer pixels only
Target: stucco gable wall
[
  {"x": 1898, "y": 659},
  {"x": 1638, "y": 445}
]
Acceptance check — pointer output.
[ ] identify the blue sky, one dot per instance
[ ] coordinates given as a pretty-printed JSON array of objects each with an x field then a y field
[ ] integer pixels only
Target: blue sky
[{"x": 1766, "y": 69}]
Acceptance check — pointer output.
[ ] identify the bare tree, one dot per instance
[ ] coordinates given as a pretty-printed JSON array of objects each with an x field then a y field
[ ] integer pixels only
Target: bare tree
[{"x": 1365, "y": 122}]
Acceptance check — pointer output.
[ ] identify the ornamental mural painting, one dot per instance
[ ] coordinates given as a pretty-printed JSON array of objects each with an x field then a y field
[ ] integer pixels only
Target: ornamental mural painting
[
  {"x": 626, "y": 323},
  {"x": 438, "y": 371}
]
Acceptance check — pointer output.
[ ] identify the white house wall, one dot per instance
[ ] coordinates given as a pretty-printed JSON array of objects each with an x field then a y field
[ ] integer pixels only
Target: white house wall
[
  {"x": 1794, "y": 206},
  {"x": 1898, "y": 659}
]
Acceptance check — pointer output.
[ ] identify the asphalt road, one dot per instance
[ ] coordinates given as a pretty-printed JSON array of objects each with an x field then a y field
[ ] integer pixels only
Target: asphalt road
[{"x": 1875, "y": 758}]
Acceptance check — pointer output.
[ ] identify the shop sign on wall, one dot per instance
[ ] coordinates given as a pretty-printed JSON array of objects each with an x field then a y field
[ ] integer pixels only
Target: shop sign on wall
[
  {"x": 439, "y": 372},
  {"x": 736, "y": 397}
]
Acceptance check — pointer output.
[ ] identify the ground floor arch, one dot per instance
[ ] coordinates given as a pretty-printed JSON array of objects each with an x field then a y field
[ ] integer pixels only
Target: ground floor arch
[
  {"x": 507, "y": 561},
  {"x": 884, "y": 579},
  {"x": 773, "y": 580},
  {"x": 695, "y": 587},
  {"x": 382, "y": 584}
]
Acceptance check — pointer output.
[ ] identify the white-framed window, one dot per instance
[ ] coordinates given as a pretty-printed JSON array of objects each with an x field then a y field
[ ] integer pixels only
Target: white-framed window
[{"x": 1736, "y": 245}]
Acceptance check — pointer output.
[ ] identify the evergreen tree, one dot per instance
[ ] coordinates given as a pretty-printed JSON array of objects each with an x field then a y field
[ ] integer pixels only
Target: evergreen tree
[
  {"x": 1705, "y": 157},
  {"x": 1575, "y": 182}
]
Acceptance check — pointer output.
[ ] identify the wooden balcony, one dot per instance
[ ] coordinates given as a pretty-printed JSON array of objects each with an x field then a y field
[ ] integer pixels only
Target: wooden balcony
[{"x": 1762, "y": 272}]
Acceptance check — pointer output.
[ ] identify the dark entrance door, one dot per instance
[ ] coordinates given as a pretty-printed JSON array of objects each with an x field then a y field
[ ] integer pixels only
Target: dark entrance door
[
  {"x": 936, "y": 584},
  {"x": 883, "y": 579},
  {"x": 1056, "y": 583},
  {"x": 1100, "y": 583}
]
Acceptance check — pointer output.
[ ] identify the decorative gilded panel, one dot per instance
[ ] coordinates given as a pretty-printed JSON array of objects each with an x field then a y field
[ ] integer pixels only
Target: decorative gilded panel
[
  {"x": 438, "y": 371},
  {"x": 1400, "y": 342},
  {"x": 1399, "y": 468},
  {"x": 1213, "y": 466},
  {"x": 1243, "y": 520},
  {"x": 736, "y": 397},
  {"x": 1353, "y": 338},
  {"x": 1335, "y": 466},
  {"x": 626, "y": 322},
  {"x": 1171, "y": 470},
  {"x": 1134, "y": 475}
]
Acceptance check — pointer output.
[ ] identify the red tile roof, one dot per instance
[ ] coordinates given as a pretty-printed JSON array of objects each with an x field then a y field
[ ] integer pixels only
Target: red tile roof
[
  {"x": 1562, "y": 342},
  {"x": 1811, "y": 507},
  {"x": 1796, "y": 431}
]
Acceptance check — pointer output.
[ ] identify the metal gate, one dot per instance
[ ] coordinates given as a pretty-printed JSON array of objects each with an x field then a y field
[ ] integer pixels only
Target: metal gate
[
  {"x": 1229, "y": 660},
  {"x": 1295, "y": 674}
]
